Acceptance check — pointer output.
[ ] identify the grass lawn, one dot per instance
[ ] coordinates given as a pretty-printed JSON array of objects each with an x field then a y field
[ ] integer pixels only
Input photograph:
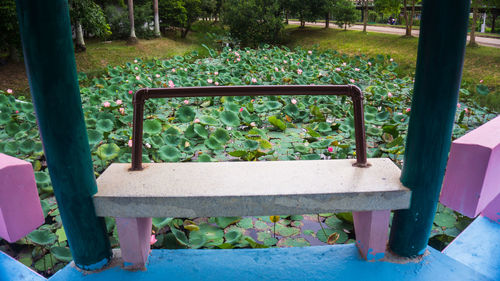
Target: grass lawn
[{"x": 481, "y": 63}]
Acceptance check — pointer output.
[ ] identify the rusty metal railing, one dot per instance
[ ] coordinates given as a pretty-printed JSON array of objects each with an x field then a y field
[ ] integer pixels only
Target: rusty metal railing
[{"x": 339, "y": 90}]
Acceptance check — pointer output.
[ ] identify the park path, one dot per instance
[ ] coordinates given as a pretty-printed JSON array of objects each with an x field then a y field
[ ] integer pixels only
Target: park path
[{"x": 483, "y": 41}]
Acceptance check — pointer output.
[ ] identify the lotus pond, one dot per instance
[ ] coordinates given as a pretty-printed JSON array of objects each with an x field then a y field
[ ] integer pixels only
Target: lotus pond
[{"x": 230, "y": 129}]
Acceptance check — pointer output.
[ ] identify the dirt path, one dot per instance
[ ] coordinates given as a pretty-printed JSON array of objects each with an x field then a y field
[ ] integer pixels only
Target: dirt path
[{"x": 483, "y": 41}]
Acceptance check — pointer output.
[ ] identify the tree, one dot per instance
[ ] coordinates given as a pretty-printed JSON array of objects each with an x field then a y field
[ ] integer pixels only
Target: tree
[
  {"x": 9, "y": 37},
  {"x": 364, "y": 4},
  {"x": 475, "y": 12},
  {"x": 208, "y": 8},
  {"x": 344, "y": 13},
  {"x": 157, "y": 18},
  {"x": 253, "y": 21},
  {"x": 87, "y": 15},
  {"x": 180, "y": 13},
  {"x": 132, "y": 39},
  {"x": 409, "y": 21}
]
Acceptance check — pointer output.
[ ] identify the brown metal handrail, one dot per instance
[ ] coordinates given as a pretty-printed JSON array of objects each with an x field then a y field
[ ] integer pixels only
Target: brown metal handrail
[{"x": 276, "y": 90}]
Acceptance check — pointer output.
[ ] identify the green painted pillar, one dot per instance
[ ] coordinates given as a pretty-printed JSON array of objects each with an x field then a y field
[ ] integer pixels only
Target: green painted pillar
[
  {"x": 441, "y": 50},
  {"x": 50, "y": 64}
]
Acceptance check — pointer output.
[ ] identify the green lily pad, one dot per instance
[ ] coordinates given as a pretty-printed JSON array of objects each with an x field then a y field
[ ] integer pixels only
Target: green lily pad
[
  {"x": 169, "y": 153},
  {"x": 94, "y": 136},
  {"x": 185, "y": 114},
  {"x": 61, "y": 253},
  {"x": 245, "y": 223},
  {"x": 204, "y": 158},
  {"x": 221, "y": 135},
  {"x": 42, "y": 237},
  {"x": 229, "y": 118},
  {"x": 108, "y": 151},
  {"x": 208, "y": 120},
  {"x": 152, "y": 126},
  {"x": 293, "y": 242},
  {"x": 213, "y": 235},
  {"x": 161, "y": 222},
  {"x": 445, "y": 219},
  {"x": 45, "y": 263},
  {"x": 320, "y": 234},
  {"x": 200, "y": 131},
  {"x": 27, "y": 146},
  {"x": 42, "y": 178},
  {"x": 277, "y": 123},
  {"x": 223, "y": 222},
  {"x": 12, "y": 128},
  {"x": 482, "y": 89},
  {"x": 213, "y": 143},
  {"x": 233, "y": 236},
  {"x": 273, "y": 105},
  {"x": 104, "y": 125}
]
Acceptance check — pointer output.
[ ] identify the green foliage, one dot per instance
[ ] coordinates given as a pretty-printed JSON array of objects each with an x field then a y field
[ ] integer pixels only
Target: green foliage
[
  {"x": 254, "y": 22},
  {"x": 91, "y": 16},
  {"x": 388, "y": 7},
  {"x": 9, "y": 37},
  {"x": 120, "y": 25},
  {"x": 179, "y": 13},
  {"x": 344, "y": 13}
]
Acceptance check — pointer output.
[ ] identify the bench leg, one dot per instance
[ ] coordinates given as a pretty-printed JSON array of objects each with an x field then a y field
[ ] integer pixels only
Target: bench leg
[
  {"x": 135, "y": 237},
  {"x": 371, "y": 229}
]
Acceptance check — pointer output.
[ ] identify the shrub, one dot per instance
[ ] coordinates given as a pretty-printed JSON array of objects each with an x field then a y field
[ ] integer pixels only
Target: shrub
[
  {"x": 344, "y": 13},
  {"x": 179, "y": 13},
  {"x": 254, "y": 21}
]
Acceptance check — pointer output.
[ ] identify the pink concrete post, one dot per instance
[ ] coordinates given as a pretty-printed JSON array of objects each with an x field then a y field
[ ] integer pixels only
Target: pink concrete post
[
  {"x": 371, "y": 229},
  {"x": 135, "y": 237},
  {"x": 20, "y": 208},
  {"x": 472, "y": 176},
  {"x": 492, "y": 211}
]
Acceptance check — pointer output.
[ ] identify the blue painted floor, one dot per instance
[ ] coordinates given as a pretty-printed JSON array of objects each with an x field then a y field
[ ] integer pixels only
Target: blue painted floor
[
  {"x": 341, "y": 262},
  {"x": 478, "y": 247},
  {"x": 12, "y": 270}
]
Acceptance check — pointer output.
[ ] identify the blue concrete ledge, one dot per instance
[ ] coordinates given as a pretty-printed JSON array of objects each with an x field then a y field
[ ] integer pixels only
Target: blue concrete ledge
[
  {"x": 341, "y": 262},
  {"x": 11, "y": 269},
  {"x": 478, "y": 247}
]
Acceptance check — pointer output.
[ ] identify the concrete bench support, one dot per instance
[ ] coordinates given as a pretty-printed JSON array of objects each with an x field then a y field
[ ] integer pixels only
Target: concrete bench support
[
  {"x": 371, "y": 230},
  {"x": 135, "y": 237},
  {"x": 20, "y": 208},
  {"x": 472, "y": 174}
]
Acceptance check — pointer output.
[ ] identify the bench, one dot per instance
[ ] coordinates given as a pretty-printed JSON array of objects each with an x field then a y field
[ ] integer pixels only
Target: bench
[{"x": 370, "y": 188}]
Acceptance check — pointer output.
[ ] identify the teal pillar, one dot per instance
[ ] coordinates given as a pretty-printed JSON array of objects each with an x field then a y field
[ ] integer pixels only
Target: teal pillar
[
  {"x": 441, "y": 50},
  {"x": 50, "y": 64}
]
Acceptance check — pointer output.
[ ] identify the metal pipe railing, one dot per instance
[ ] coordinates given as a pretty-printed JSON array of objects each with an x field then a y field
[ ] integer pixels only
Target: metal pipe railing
[{"x": 340, "y": 90}]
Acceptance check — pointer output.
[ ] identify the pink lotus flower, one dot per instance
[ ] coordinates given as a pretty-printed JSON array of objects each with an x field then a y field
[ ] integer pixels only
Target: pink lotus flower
[
  {"x": 17, "y": 111},
  {"x": 481, "y": 81},
  {"x": 294, "y": 101},
  {"x": 352, "y": 80},
  {"x": 138, "y": 77},
  {"x": 254, "y": 80},
  {"x": 186, "y": 102},
  {"x": 285, "y": 62},
  {"x": 171, "y": 84},
  {"x": 9, "y": 91},
  {"x": 157, "y": 75},
  {"x": 276, "y": 69},
  {"x": 136, "y": 68},
  {"x": 122, "y": 110},
  {"x": 106, "y": 104},
  {"x": 253, "y": 124},
  {"x": 466, "y": 110},
  {"x": 210, "y": 81},
  {"x": 185, "y": 69},
  {"x": 310, "y": 52},
  {"x": 118, "y": 102},
  {"x": 216, "y": 83},
  {"x": 299, "y": 71},
  {"x": 330, "y": 149},
  {"x": 216, "y": 73},
  {"x": 241, "y": 109},
  {"x": 153, "y": 239},
  {"x": 408, "y": 109},
  {"x": 129, "y": 143},
  {"x": 458, "y": 105},
  {"x": 238, "y": 59},
  {"x": 338, "y": 69},
  {"x": 389, "y": 94},
  {"x": 344, "y": 64},
  {"x": 173, "y": 69},
  {"x": 356, "y": 69},
  {"x": 237, "y": 54},
  {"x": 252, "y": 100},
  {"x": 135, "y": 61},
  {"x": 369, "y": 63},
  {"x": 196, "y": 120},
  {"x": 130, "y": 92}
]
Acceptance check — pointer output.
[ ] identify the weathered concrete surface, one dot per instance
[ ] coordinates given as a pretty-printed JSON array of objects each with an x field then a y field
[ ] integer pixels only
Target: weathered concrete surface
[
  {"x": 135, "y": 236},
  {"x": 472, "y": 175},
  {"x": 371, "y": 228},
  {"x": 11, "y": 269},
  {"x": 249, "y": 188},
  {"x": 340, "y": 262},
  {"x": 20, "y": 208},
  {"x": 478, "y": 247}
]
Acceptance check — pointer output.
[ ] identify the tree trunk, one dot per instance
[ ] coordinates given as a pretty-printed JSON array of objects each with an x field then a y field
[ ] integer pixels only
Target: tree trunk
[
  {"x": 157, "y": 18},
  {"x": 286, "y": 17},
  {"x": 80, "y": 43},
  {"x": 472, "y": 41},
  {"x": 405, "y": 16},
  {"x": 493, "y": 23},
  {"x": 13, "y": 53},
  {"x": 365, "y": 14},
  {"x": 412, "y": 15},
  {"x": 327, "y": 20},
  {"x": 132, "y": 39}
]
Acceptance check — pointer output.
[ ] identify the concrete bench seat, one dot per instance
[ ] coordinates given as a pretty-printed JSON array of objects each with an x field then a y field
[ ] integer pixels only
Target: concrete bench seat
[{"x": 249, "y": 189}]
